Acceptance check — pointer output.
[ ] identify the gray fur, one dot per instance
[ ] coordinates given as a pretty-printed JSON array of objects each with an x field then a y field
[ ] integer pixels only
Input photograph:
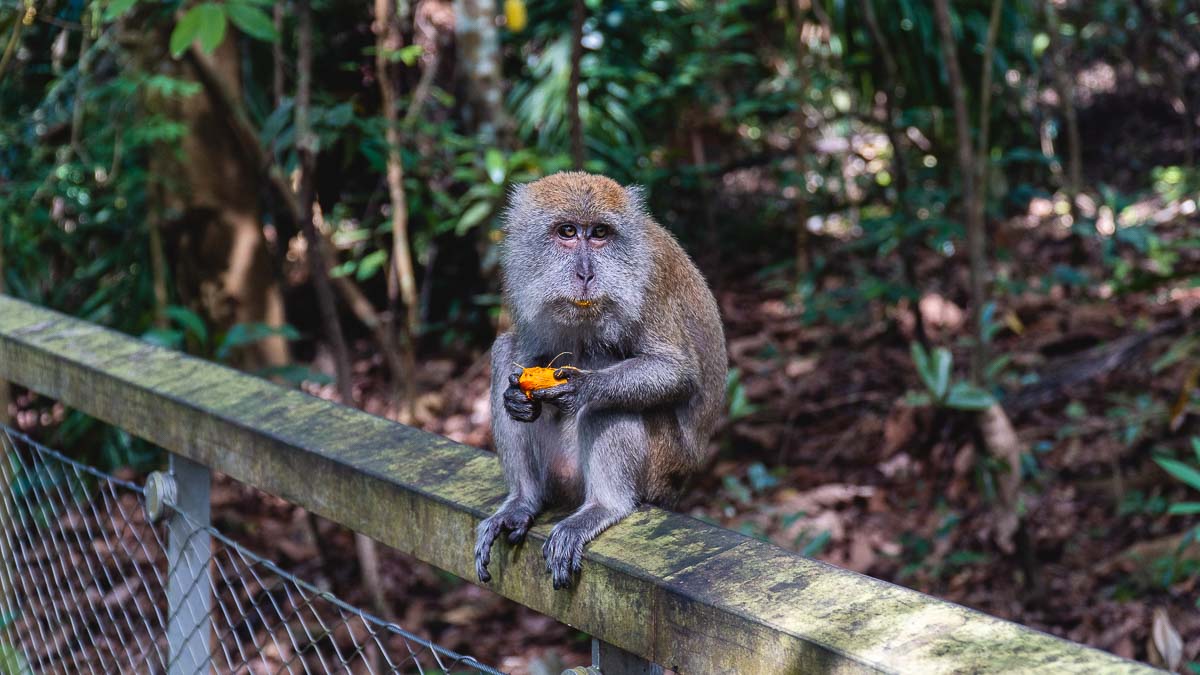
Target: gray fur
[{"x": 633, "y": 426}]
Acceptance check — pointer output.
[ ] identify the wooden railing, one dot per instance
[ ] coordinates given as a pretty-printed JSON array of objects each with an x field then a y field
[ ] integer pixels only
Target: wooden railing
[{"x": 690, "y": 596}]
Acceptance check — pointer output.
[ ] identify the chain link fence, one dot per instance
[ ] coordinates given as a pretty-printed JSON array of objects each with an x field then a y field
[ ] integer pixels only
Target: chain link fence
[{"x": 89, "y": 584}]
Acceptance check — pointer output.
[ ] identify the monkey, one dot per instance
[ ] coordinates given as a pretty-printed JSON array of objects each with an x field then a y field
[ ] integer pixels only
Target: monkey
[{"x": 587, "y": 270}]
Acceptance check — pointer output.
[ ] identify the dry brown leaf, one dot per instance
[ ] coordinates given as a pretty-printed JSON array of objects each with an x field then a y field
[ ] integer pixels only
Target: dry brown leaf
[
  {"x": 1165, "y": 641},
  {"x": 1002, "y": 443}
]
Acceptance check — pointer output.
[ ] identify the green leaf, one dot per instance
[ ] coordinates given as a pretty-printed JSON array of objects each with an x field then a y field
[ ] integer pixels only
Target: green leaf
[
  {"x": 185, "y": 31},
  {"x": 493, "y": 159},
  {"x": 409, "y": 55},
  {"x": 1196, "y": 447},
  {"x": 370, "y": 264},
  {"x": 164, "y": 337},
  {"x": 921, "y": 360},
  {"x": 736, "y": 489},
  {"x": 472, "y": 217},
  {"x": 252, "y": 21},
  {"x": 345, "y": 269},
  {"x": 739, "y": 404},
  {"x": 116, "y": 8},
  {"x": 964, "y": 396},
  {"x": 190, "y": 321},
  {"x": 1184, "y": 509},
  {"x": 1189, "y": 475},
  {"x": 242, "y": 334},
  {"x": 760, "y": 478},
  {"x": 818, "y": 543},
  {"x": 918, "y": 399},
  {"x": 942, "y": 361},
  {"x": 212, "y": 26}
]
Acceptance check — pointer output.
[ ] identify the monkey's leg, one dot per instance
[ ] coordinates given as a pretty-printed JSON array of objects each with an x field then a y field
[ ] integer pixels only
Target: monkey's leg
[
  {"x": 518, "y": 445},
  {"x": 612, "y": 448}
]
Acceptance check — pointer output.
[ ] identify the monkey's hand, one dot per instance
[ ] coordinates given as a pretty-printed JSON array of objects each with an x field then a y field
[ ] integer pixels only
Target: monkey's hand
[
  {"x": 519, "y": 406},
  {"x": 565, "y": 397},
  {"x": 511, "y": 517}
]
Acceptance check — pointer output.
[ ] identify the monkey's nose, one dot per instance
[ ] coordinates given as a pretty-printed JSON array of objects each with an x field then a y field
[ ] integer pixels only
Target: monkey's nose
[{"x": 585, "y": 277}]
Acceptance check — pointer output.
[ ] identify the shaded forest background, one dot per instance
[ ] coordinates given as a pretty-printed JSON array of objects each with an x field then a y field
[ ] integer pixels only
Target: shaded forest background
[{"x": 956, "y": 247}]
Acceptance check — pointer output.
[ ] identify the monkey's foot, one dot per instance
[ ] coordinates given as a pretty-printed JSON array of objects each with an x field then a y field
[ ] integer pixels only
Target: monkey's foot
[
  {"x": 514, "y": 519},
  {"x": 563, "y": 552}
]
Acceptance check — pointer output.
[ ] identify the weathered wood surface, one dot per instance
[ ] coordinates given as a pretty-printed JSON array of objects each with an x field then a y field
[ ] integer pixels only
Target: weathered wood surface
[{"x": 690, "y": 596}]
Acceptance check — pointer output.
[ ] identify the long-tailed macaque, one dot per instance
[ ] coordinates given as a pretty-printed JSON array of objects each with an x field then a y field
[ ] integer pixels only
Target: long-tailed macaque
[{"x": 587, "y": 271}]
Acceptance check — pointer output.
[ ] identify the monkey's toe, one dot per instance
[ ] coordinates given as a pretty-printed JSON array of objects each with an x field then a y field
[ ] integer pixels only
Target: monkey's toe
[
  {"x": 518, "y": 534},
  {"x": 482, "y": 558},
  {"x": 563, "y": 552},
  {"x": 486, "y": 534}
]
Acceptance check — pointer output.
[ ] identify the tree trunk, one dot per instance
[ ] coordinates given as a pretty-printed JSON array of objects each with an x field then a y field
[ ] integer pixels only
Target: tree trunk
[
  {"x": 970, "y": 197},
  {"x": 803, "y": 247},
  {"x": 907, "y": 245},
  {"x": 983, "y": 151},
  {"x": 402, "y": 283},
  {"x": 1066, "y": 96},
  {"x": 306, "y": 142},
  {"x": 996, "y": 436},
  {"x": 10, "y": 48},
  {"x": 217, "y": 250},
  {"x": 368, "y": 557},
  {"x": 578, "y": 153},
  {"x": 478, "y": 47}
]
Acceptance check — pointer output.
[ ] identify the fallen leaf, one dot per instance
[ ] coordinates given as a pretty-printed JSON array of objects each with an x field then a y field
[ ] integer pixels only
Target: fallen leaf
[{"x": 1165, "y": 641}]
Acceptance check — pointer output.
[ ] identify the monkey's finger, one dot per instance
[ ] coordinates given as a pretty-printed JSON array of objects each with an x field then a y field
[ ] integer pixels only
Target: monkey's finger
[
  {"x": 552, "y": 393},
  {"x": 524, "y": 411},
  {"x": 514, "y": 379},
  {"x": 518, "y": 533},
  {"x": 568, "y": 374}
]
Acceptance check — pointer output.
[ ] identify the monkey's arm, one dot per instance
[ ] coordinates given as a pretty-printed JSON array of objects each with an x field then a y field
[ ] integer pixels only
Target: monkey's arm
[{"x": 660, "y": 375}]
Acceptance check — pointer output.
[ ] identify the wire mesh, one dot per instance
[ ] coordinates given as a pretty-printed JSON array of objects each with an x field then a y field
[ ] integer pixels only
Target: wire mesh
[{"x": 85, "y": 580}]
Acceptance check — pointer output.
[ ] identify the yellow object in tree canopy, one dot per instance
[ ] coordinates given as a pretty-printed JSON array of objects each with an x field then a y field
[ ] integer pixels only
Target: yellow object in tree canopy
[{"x": 515, "y": 15}]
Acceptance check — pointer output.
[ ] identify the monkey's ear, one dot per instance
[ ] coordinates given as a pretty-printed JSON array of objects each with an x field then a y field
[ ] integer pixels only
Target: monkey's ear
[
  {"x": 636, "y": 194},
  {"x": 518, "y": 197},
  {"x": 518, "y": 193}
]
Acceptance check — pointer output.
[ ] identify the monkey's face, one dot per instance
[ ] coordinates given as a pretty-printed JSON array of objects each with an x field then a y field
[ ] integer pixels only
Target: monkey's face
[{"x": 575, "y": 250}]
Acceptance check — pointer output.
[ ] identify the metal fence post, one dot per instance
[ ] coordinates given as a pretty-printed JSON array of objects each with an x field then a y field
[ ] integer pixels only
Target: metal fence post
[
  {"x": 612, "y": 660},
  {"x": 189, "y": 548}
]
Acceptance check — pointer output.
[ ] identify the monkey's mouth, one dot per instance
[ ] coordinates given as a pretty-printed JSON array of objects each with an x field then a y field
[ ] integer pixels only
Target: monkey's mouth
[{"x": 584, "y": 305}]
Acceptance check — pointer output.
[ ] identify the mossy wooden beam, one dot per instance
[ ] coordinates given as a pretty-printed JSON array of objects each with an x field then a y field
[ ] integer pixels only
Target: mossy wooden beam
[{"x": 690, "y": 596}]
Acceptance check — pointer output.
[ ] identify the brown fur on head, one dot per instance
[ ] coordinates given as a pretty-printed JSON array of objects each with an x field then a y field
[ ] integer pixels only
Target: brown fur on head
[{"x": 583, "y": 195}]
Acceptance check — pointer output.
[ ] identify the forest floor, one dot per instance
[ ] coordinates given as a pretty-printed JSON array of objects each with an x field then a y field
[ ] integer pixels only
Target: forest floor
[{"x": 828, "y": 458}]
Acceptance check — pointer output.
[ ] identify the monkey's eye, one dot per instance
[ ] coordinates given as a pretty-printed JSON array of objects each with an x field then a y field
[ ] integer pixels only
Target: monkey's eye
[
  {"x": 567, "y": 231},
  {"x": 600, "y": 232}
]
